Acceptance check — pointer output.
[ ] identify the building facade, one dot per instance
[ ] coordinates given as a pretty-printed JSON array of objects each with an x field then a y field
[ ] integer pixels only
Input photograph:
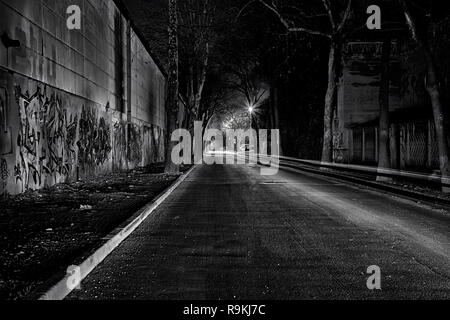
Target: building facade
[{"x": 413, "y": 144}]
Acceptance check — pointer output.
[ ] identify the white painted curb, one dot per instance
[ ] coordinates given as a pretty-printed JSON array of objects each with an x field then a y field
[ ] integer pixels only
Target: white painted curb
[{"x": 64, "y": 287}]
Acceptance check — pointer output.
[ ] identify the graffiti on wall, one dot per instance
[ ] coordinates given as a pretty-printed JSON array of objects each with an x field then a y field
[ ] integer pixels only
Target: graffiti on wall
[
  {"x": 146, "y": 145},
  {"x": 135, "y": 144},
  {"x": 45, "y": 140},
  {"x": 4, "y": 174},
  {"x": 52, "y": 141},
  {"x": 120, "y": 145},
  {"x": 94, "y": 141},
  {"x": 154, "y": 150},
  {"x": 159, "y": 143}
]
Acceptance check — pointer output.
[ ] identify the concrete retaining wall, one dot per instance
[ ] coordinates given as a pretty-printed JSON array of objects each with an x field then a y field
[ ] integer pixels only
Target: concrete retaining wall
[{"x": 74, "y": 103}]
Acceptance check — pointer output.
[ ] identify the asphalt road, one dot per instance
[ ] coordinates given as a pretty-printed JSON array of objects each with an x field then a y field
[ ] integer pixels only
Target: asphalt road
[{"x": 229, "y": 233}]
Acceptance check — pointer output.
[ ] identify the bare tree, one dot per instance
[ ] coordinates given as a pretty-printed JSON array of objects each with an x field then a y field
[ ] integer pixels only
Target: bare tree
[
  {"x": 197, "y": 24},
  {"x": 337, "y": 17},
  {"x": 243, "y": 80},
  {"x": 172, "y": 82},
  {"x": 431, "y": 85},
  {"x": 235, "y": 118},
  {"x": 197, "y": 19},
  {"x": 213, "y": 101}
]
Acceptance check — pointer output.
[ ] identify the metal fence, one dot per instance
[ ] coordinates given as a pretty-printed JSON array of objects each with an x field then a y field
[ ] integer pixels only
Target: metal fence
[
  {"x": 418, "y": 146},
  {"x": 413, "y": 146},
  {"x": 365, "y": 145}
]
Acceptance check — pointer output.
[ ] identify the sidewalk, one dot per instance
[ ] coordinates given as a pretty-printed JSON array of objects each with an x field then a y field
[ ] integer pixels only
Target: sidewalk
[{"x": 42, "y": 232}]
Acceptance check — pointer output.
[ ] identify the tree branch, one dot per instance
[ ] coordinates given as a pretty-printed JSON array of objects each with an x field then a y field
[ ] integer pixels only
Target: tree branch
[
  {"x": 326, "y": 4},
  {"x": 410, "y": 21},
  {"x": 348, "y": 10},
  {"x": 245, "y": 8},
  {"x": 285, "y": 23}
]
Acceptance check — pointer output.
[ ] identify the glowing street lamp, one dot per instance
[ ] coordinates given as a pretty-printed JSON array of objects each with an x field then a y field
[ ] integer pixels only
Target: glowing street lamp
[{"x": 250, "y": 109}]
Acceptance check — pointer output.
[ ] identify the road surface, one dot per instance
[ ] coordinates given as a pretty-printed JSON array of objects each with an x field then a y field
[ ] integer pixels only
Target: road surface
[{"x": 229, "y": 233}]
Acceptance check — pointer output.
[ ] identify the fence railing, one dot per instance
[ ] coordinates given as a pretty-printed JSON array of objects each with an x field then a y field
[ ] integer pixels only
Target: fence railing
[
  {"x": 413, "y": 146},
  {"x": 372, "y": 171}
]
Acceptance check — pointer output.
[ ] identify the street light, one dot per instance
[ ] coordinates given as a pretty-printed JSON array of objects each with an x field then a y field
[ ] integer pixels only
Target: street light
[{"x": 250, "y": 109}]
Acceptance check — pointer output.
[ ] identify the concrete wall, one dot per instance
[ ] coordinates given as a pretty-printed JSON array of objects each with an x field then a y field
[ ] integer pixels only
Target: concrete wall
[
  {"x": 358, "y": 92},
  {"x": 74, "y": 103},
  {"x": 360, "y": 83}
]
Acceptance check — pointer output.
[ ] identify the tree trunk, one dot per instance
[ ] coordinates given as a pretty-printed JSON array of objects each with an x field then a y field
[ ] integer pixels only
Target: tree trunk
[
  {"x": 202, "y": 80},
  {"x": 327, "y": 148},
  {"x": 254, "y": 125},
  {"x": 276, "y": 116},
  {"x": 272, "y": 108},
  {"x": 172, "y": 91},
  {"x": 384, "y": 156},
  {"x": 432, "y": 88}
]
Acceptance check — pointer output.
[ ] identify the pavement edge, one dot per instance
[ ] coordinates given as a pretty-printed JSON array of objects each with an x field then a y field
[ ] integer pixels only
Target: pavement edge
[{"x": 62, "y": 288}]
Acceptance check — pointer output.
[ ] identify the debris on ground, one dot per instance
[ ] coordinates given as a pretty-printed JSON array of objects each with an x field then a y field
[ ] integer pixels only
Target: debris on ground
[{"x": 43, "y": 231}]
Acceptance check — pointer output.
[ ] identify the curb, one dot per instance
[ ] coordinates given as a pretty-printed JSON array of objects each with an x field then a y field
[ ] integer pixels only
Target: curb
[{"x": 66, "y": 285}]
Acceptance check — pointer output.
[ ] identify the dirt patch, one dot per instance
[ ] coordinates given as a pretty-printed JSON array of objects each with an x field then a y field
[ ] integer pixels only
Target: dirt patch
[{"x": 42, "y": 232}]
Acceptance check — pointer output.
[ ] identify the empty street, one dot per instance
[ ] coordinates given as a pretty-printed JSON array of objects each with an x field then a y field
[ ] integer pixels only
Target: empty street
[{"x": 229, "y": 233}]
